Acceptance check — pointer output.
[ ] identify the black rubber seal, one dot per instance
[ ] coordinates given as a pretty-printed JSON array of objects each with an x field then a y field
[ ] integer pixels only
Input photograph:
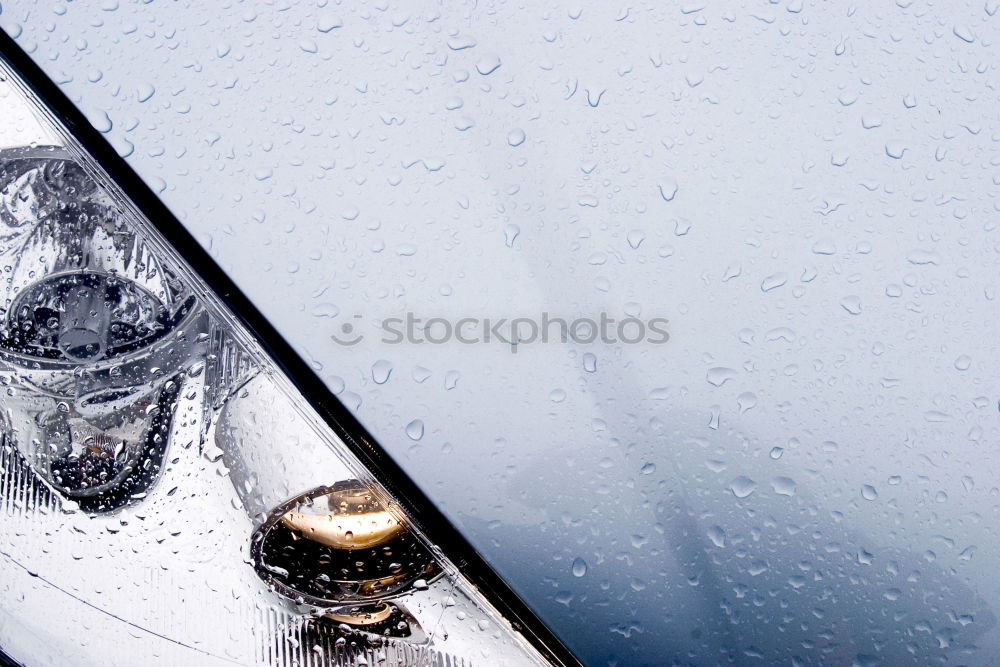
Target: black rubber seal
[{"x": 431, "y": 520}]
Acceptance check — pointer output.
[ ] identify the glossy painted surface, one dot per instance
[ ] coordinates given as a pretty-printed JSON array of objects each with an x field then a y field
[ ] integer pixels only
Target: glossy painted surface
[{"x": 806, "y": 470}]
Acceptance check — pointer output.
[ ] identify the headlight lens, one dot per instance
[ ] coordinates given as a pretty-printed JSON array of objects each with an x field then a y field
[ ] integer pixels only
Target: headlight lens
[
  {"x": 96, "y": 335},
  {"x": 164, "y": 491}
]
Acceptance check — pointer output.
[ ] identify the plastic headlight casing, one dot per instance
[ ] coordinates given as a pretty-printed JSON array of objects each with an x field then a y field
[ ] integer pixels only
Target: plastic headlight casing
[{"x": 166, "y": 496}]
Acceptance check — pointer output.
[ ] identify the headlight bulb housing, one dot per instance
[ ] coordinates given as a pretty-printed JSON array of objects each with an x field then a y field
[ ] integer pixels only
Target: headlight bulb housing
[{"x": 95, "y": 332}]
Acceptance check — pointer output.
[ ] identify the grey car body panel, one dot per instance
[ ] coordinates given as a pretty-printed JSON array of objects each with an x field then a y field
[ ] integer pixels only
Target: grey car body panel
[{"x": 807, "y": 470}]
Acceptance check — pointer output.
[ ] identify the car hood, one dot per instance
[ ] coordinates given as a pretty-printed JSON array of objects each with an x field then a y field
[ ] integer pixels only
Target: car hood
[{"x": 803, "y": 470}]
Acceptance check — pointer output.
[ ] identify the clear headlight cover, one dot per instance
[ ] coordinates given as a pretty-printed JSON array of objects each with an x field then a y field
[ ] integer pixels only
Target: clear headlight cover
[{"x": 166, "y": 494}]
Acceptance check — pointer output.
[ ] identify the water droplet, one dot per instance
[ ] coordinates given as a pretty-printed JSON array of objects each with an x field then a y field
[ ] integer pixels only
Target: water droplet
[
  {"x": 963, "y": 362},
  {"x": 776, "y": 453},
  {"x": 713, "y": 418},
  {"x": 579, "y": 567},
  {"x": 773, "y": 281},
  {"x": 719, "y": 375},
  {"x": 488, "y": 64},
  {"x": 451, "y": 380},
  {"x": 668, "y": 190},
  {"x": 742, "y": 486},
  {"x": 936, "y": 416},
  {"x": 868, "y": 492},
  {"x": 964, "y": 33},
  {"x": 870, "y": 122},
  {"x": 895, "y": 150},
  {"x": 746, "y": 401},
  {"x": 923, "y": 257},
  {"x": 851, "y": 304},
  {"x": 101, "y": 121},
  {"x": 594, "y": 97},
  {"x": 144, "y": 92},
  {"x": 325, "y": 310},
  {"x": 515, "y": 137},
  {"x": 784, "y": 486},
  {"x": 381, "y": 370},
  {"x": 327, "y": 22},
  {"x": 839, "y": 158},
  {"x": 415, "y": 429},
  {"x": 824, "y": 247},
  {"x": 718, "y": 536},
  {"x": 590, "y": 362},
  {"x": 461, "y": 42},
  {"x": 510, "y": 233},
  {"x": 635, "y": 238},
  {"x": 648, "y": 469}
]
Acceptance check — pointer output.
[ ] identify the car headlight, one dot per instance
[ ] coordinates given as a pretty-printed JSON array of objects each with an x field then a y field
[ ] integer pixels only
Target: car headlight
[{"x": 166, "y": 493}]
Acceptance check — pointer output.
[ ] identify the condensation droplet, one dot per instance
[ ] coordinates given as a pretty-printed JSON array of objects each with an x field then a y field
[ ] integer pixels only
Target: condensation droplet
[
  {"x": 746, "y": 401},
  {"x": 415, "y": 429},
  {"x": 742, "y": 486},
  {"x": 510, "y": 233},
  {"x": 851, "y": 304},
  {"x": 488, "y": 64},
  {"x": 719, "y": 375},
  {"x": 668, "y": 190},
  {"x": 784, "y": 486},
  {"x": 381, "y": 370}
]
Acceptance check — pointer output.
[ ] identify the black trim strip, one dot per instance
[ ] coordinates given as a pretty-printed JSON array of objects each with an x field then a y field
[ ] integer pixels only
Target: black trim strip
[
  {"x": 339, "y": 418},
  {"x": 6, "y": 660}
]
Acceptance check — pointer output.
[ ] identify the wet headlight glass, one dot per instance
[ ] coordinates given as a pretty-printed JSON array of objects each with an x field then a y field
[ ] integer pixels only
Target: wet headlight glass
[{"x": 166, "y": 496}]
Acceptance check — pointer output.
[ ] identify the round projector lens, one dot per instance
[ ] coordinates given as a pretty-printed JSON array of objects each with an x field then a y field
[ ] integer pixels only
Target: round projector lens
[{"x": 338, "y": 546}]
